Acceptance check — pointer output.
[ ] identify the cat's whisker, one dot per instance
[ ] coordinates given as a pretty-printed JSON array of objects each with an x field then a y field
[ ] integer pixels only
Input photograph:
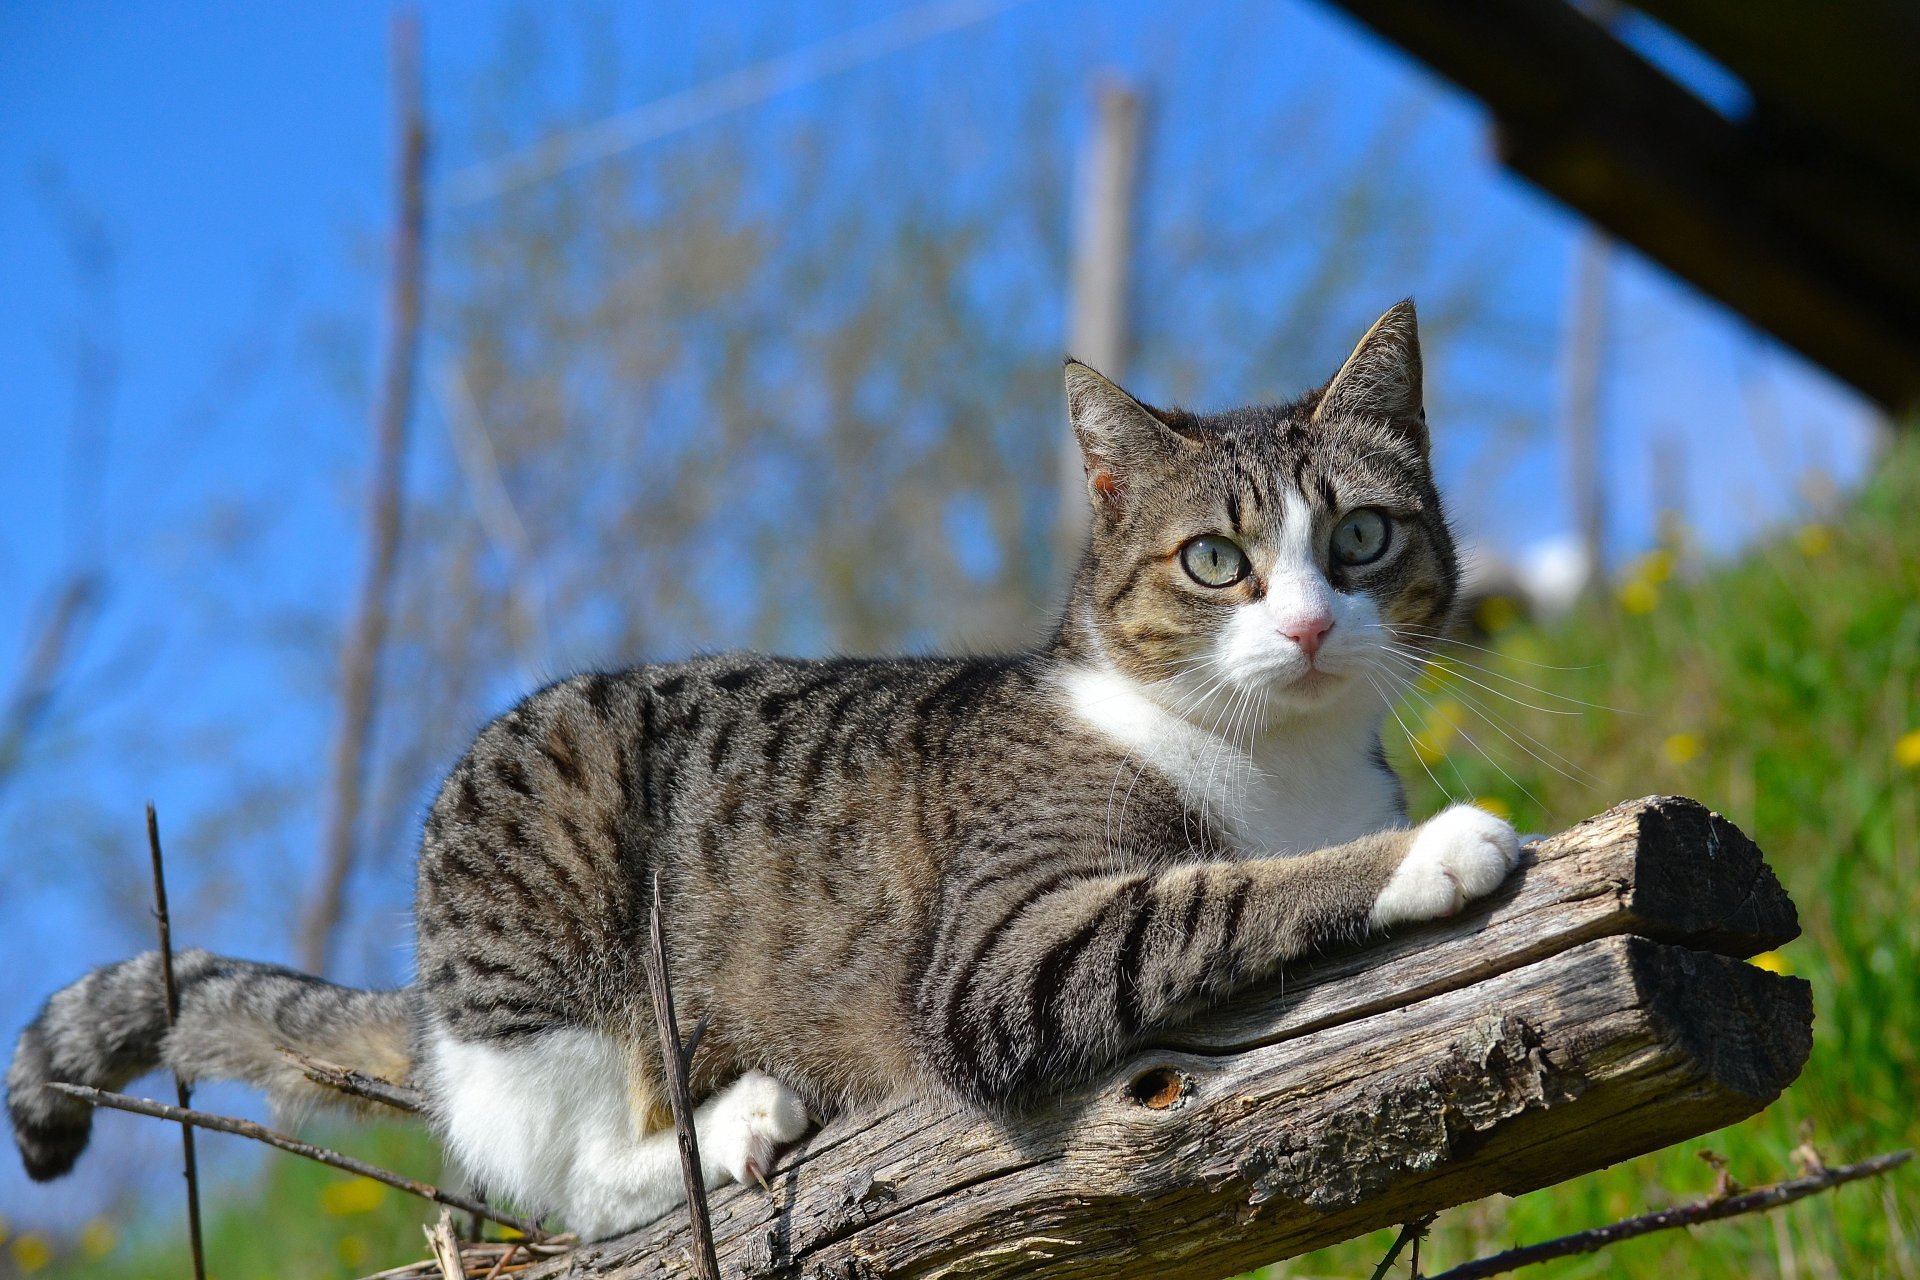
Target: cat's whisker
[
  {"x": 1414, "y": 631},
  {"x": 1412, "y": 745},
  {"x": 1493, "y": 716},
  {"x": 1484, "y": 754},
  {"x": 1450, "y": 664},
  {"x": 1532, "y": 746},
  {"x": 1426, "y": 660},
  {"x": 1216, "y": 751},
  {"x": 1434, "y": 712}
]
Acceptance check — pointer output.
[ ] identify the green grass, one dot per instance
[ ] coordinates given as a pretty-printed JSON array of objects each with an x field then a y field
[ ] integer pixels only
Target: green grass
[
  {"x": 1781, "y": 690},
  {"x": 298, "y": 1221}
]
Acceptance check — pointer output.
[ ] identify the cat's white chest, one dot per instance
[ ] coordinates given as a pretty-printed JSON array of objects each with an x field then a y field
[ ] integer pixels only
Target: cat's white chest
[
  {"x": 1305, "y": 795},
  {"x": 1298, "y": 792}
]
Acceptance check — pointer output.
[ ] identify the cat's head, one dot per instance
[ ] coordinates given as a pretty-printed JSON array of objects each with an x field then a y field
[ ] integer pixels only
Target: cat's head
[{"x": 1272, "y": 561}]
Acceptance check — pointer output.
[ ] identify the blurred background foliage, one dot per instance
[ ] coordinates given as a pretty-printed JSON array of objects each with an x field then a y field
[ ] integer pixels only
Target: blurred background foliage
[{"x": 792, "y": 381}]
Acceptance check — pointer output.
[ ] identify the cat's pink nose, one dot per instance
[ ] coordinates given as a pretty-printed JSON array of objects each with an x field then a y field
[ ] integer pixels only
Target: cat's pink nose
[{"x": 1308, "y": 632}]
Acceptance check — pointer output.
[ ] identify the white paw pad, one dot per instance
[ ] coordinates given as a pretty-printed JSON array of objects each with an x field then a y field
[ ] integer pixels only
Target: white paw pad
[
  {"x": 752, "y": 1120},
  {"x": 1456, "y": 856}
]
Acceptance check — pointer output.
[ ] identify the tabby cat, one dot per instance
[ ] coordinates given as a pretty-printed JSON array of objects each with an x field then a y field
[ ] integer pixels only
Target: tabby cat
[{"x": 971, "y": 877}]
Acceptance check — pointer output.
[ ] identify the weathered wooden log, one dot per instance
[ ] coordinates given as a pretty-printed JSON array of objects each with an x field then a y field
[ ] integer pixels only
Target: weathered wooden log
[{"x": 1595, "y": 1009}]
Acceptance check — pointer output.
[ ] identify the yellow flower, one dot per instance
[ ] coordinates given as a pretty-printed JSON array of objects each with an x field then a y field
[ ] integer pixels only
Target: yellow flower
[
  {"x": 1679, "y": 748},
  {"x": 97, "y": 1239},
  {"x": 1495, "y": 614},
  {"x": 31, "y": 1252},
  {"x": 1437, "y": 734},
  {"x": 1771, "y": 961},
  {"x": 1654, "y": 567},
  {"x": 1906, "y": 749},
  {"x": 1814, "y": 539},
  {"x": 3, "y": 1231},
  {"x": 354, "y": 1195},
  {"x": 1637, "y": 595},
  {"x": 1496, "y": 806},
  {"x": 352, "y": 1251}
]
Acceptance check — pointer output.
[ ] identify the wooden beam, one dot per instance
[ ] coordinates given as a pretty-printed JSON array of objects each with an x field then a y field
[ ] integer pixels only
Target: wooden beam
[
  {"x": 1594, "y": 1009},
  {"x": 1840, "y": 71},
  {"x": 1797, "y": 238}
]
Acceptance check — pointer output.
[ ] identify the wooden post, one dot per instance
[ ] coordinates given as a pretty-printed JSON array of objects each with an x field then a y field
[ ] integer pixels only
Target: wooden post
[
  {"x": 1586, "y": 357},
  {"x": 1097, "y": 322},
  {"x": 1596, "y": 1008}
]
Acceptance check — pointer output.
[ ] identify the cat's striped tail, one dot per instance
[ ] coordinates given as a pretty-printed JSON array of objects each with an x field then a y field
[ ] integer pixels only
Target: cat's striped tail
[{"x": 235, "y": 1015}]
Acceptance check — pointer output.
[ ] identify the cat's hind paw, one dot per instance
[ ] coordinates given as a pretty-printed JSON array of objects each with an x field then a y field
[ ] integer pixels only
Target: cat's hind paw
[
  {"x": 1456, "y": 856},
  {"x": 751, "y": 1121}
]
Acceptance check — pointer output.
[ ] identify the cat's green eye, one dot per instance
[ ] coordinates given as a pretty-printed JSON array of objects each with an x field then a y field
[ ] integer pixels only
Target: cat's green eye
[
  {"x": 1361, "y": 537},
  {"x": 1214, "y": 561}
]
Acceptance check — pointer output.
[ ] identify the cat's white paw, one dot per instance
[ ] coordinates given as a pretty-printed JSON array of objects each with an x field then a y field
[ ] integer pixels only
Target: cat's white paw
[
  {"x": 751, "y": 1121},
  {"x": 1458, "y": 855}
]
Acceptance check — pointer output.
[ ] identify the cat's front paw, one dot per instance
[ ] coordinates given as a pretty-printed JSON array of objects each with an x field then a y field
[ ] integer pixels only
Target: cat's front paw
[
  {"x": 1456, "y": 856},
  {"x": 752, "y": 1120}
]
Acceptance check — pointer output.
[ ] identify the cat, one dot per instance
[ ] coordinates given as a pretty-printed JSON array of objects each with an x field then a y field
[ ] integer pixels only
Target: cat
[{"x": 977, "y": 878}]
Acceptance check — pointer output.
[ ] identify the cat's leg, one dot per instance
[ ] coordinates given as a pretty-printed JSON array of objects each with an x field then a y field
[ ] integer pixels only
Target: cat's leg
[
  {"x": 548, "y": 1123},
  {"x": 1044, "y": 979}
]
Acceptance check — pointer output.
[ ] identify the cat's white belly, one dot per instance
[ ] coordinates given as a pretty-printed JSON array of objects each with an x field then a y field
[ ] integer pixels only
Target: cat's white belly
[{"x": 553, "y": 1124}]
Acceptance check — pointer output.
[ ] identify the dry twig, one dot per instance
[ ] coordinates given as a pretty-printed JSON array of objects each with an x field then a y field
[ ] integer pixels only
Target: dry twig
[
  {"x": 357, "y": 1084},
  {"x": 180, "y": 1086},
  {"x": 360, "y": 660},
  {"x": 705, "y": 1264},
  {"x": 274, "y": 1138},
  {"x": 445, "y": 1246},
  {"x": 498, "y": 1257},
  {"x": 1409, "y": 1233},
  {"x": 1711, "y": 1209},
  {"x": 506, "y": 1255}
]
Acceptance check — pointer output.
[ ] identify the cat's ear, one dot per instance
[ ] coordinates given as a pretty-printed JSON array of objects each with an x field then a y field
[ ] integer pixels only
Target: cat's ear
[
  {"x": 1118, "y": 435},
  {"x": 1381, "y": 379}
]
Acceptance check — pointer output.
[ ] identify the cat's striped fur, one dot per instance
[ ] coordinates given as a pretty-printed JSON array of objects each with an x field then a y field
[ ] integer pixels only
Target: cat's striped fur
[{"x": 972, "y": 876}]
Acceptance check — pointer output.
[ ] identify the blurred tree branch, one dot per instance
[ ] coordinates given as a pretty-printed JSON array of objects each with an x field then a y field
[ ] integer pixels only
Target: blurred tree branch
[
  {"x": 48, "y": 659},
  {"x": 360, "y": 659},
  {"x": 74, "y": 598}
]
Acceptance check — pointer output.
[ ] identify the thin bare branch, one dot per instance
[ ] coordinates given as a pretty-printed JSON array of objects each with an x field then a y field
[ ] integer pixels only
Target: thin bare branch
[
  {"x": 1712, "y": 1209},
  {"x": 705, "y": 1263},
  {"x": 730, "y": 92},
  {"x": 360, "y": 659},
  {"x": 1410, "y": 1233},
  {"x": 274, "y": 1138},
  {"x": 75, "y": 605},
  {"x": 180, "y": 1086},
  {"x": 355, "y": 1083},
  {"x": 499, "y": 519}
]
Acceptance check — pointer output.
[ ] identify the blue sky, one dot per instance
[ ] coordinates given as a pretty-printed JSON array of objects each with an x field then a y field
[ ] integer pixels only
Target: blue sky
[{"x": 238, "y": 157}]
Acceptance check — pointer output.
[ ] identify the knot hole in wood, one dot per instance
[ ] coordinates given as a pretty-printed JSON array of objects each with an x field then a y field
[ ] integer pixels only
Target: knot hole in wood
[{"x": 1159, "y": 1088}]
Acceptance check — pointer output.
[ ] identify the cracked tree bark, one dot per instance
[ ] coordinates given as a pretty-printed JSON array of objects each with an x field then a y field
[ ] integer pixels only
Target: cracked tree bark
[{"x": 1597, "y": 1008}]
